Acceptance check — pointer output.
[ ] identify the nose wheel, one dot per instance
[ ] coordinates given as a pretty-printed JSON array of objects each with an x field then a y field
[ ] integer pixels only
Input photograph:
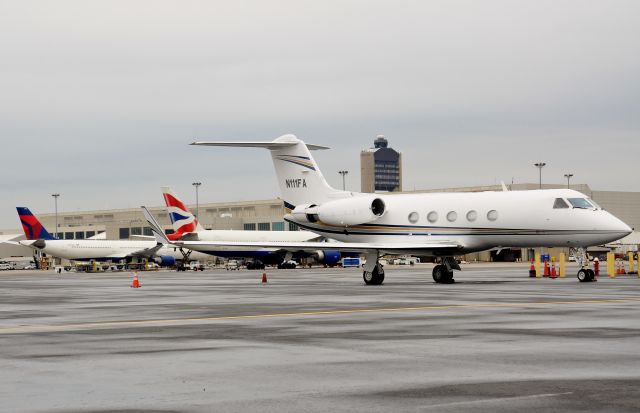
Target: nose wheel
[
  {"x": 375, "y": 277},
  {"x": 586, "y": 275}
]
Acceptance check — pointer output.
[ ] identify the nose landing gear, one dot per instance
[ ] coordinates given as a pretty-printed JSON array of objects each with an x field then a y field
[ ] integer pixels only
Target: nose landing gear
[{"x": 585, "y": 274}]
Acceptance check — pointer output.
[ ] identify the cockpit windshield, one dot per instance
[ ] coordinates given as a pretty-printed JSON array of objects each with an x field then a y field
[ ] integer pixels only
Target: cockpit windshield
[
  {"x": 560, "y": 204},
  {"x": 592, "y": 202},
  {"x": 580, "y": 203}
]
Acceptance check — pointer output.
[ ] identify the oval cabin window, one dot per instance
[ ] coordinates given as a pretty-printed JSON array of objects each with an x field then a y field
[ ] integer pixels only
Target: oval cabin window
[
  {"x": 492, "y": 215},
  {"x": 432, "y": 217},
  {"x": 472, "y": 216},
  {"x": 452, "y": 216},
  {"x": 413, "y": 217}
]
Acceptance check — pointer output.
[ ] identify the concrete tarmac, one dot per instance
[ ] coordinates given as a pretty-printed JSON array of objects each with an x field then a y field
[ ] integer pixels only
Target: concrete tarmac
[{"x": 318, "y": 340}]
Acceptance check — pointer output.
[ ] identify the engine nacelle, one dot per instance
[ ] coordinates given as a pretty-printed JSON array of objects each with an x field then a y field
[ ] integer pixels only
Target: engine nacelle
[
  {"x": 328, "y": 257},
  {"x": 343, "y": 212},
  {"x": 165, "y": 261}
]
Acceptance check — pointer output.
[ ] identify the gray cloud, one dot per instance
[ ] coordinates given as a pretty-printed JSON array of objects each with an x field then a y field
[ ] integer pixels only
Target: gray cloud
[{"x": 99, "y": 99}]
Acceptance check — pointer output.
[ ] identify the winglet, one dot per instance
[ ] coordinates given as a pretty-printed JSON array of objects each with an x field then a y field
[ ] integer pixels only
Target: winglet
[{"x": 155, "y": 227}]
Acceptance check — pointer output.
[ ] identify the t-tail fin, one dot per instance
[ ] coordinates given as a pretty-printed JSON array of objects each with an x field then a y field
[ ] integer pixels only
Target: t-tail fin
[
  {"x": 300, "y": 179},
  {"x": 32, "y": 228},
  {"x": 182, "y": 219}
]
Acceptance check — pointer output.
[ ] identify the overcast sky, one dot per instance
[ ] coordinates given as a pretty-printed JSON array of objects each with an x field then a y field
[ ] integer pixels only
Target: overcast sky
[{"x": 99, "y": 99}]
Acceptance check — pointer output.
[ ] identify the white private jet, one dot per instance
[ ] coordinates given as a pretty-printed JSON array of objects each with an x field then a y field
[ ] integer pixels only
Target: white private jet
[
  {"x": 40, "y": 239},
  {"x": 439, "y": 224}
]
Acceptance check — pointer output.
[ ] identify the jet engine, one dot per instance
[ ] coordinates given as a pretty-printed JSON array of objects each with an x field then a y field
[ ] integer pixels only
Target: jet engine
[
  {"x": 343, "y": 212},
  {"x": 328, "y": 257},
  {"x": 165, "y": 260}
]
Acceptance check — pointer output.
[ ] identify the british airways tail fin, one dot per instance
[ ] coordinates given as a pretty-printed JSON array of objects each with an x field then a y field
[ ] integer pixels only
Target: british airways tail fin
[
  {"x": 299, "y": 177},
  {"x": 182, "y": 219},
  {"x": 32, "y": 228}
]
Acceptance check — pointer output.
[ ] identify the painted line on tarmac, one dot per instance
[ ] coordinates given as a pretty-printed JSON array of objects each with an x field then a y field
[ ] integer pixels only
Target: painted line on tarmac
[
  {"x": 42, "y": 328},
  {"x": 495, "y": 400}
]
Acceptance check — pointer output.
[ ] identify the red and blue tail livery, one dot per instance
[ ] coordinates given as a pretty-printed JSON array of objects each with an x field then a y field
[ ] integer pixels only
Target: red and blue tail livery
[
  {"x": 32, "y": 228},
  {"x": 182, "y": 219}
]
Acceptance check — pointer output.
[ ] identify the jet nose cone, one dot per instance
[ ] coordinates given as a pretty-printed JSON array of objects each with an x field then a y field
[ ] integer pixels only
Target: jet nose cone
[{"x": 620, "y": 227}]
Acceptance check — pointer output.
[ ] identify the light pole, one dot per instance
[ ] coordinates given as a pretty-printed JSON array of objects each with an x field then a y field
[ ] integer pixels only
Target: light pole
[
  {"x": 540, "y": 165},
  {"x": 343, "y": 173},
  {"x": 197, "y": 185},
  {"x": 568, "y": 176},
  {"x": 55, "y": 197}
]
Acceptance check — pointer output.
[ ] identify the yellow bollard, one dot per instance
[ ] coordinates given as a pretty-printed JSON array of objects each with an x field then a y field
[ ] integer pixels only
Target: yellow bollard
[
  {"x": 94, "y": 266},
  {"x": 611, "y": 265},
  {"x": 631, "y": 262},
  {"x": 146, "y": 264},
  {"x": 538, "y": 273},
  {"x": 561, "y": 264}
]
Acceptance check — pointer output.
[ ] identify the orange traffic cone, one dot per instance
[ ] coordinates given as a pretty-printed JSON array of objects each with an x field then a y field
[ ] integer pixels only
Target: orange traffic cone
[
  {"x": 136, "y": 282},
  {"x": 546, "y": 268},
  {"x": 554, "y": 274},
  {"x": 532, "y": 269},
  {"x": 264, "y": 278}
]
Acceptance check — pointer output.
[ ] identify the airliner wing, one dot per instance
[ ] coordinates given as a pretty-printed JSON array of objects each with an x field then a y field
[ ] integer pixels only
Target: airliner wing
[
  {"x": 147, "y": 252},
  {"x": 10, "y": 242}
]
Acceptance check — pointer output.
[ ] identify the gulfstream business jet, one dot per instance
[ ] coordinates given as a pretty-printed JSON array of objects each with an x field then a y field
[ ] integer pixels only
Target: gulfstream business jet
[{"x": 443, "y": 225}]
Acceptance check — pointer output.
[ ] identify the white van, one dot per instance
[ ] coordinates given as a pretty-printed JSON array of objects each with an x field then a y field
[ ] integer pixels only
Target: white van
[{"x": 4, "y": 266}]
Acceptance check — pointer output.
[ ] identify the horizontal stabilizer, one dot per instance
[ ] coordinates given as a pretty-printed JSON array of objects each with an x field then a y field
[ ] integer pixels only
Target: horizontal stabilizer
[{"x": 256, "y": 144}]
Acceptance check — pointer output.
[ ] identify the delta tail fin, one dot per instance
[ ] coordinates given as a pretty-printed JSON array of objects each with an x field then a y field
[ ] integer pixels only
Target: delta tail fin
[
  {"x": 182, "y": 219},
  {"x": 300, "y": 179},
  {"x": 31, "y": 226}
]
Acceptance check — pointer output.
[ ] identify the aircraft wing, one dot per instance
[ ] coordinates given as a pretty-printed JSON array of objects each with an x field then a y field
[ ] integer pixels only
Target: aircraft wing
[
  {"x": 308, "y": 246},
  {"x": 147, "y": 252},
  {"x": 11, "y": 243}
]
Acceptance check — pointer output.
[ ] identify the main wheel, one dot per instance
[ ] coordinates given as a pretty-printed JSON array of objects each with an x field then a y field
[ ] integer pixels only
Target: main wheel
[
  {"x": 592, "y": 274},
  {"x": 441, "y": 275},
  {"x": 583, "y": 276},
  {"x": 376, "y": 277}
]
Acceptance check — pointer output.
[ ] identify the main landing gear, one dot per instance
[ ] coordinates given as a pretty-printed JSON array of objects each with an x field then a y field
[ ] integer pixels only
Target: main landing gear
[
  {"x": 373, "y": 273},
  {"x": 374, "y": 277},
  {"x": 443, "y": 273},
  {"x": 182, "y": 265}
]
